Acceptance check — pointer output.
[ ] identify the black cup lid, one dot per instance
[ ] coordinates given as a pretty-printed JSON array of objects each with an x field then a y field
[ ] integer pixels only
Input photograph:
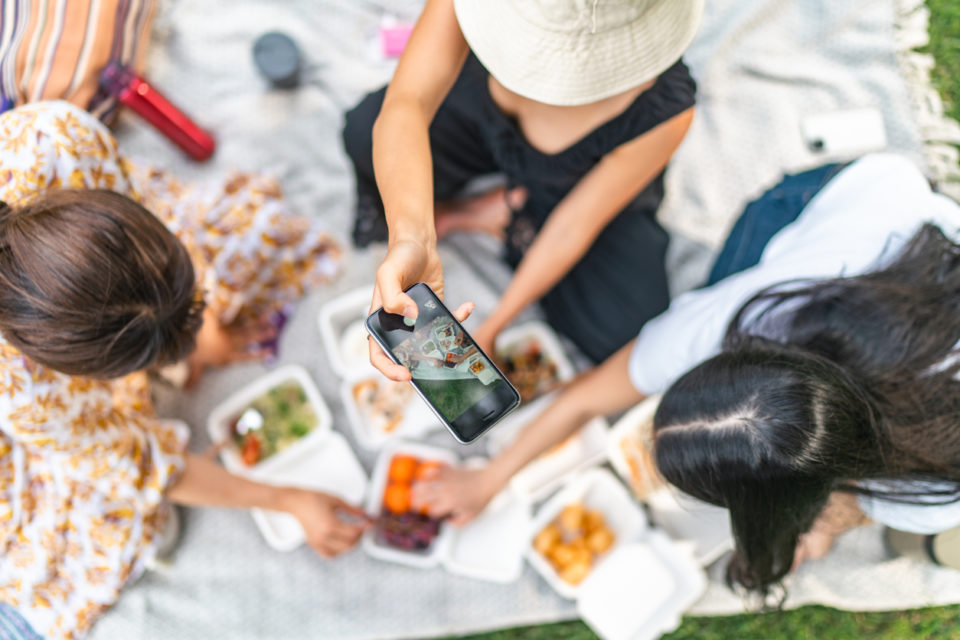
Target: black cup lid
[{"x": 278, "y": 59}]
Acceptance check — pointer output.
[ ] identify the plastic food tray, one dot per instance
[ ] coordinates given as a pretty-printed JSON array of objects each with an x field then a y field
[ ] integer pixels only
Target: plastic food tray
[
  {"x": 641, "y": 586},
  {"x": 321, "y": 460},
  {"x": 418, "y": 419},
  {"x": 491, "y": 547},
  {"x": 341, "y": 324}
]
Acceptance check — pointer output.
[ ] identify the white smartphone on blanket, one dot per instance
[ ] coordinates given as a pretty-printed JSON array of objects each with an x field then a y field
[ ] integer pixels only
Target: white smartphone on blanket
[{"x": 847, "y": 133}]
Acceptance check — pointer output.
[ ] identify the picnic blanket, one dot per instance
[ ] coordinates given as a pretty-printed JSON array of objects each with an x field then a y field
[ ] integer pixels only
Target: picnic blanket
[{"x": 762, "y": 66}]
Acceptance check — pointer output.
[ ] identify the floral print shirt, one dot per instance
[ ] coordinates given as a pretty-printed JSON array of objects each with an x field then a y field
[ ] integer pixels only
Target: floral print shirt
[{"x": 84, "y": 463}]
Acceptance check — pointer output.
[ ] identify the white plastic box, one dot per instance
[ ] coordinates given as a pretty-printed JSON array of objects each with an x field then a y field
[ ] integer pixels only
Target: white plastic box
[
  {"x": 518, "y": 336},
  {"x": 681, "y": 516},
  {"x": 418, "y": 419},
  {"x": 641, "y": 586},
  {"x": 582, "y": 450},
  {"x": 344, "y": 334},
  {"x": 321, "y": 460},
  {"x": 491, "y": 547}
]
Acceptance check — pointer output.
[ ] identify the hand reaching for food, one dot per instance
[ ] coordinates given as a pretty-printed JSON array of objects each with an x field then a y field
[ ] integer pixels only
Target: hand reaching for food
[
  {"x": 461, "y": 494},
  {"x": 332, "y": 526}
]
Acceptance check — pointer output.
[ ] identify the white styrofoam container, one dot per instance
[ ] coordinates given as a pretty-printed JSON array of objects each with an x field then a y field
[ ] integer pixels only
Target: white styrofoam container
[
  {"x": 491, "y": 547},
  {"x": 515, "y": 336},
  {"x": 680, "y": 515},
  {"x": 418, "y": 419},
  {"x": 641, "y": 586},
  {"x": 344, "y": 334},
  {"x": 329, "y": 466},
  {"x": 321, "y": 460}
]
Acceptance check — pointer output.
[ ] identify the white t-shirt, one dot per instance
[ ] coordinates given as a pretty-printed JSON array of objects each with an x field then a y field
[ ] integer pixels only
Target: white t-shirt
[{"x": 858, "y": 222}]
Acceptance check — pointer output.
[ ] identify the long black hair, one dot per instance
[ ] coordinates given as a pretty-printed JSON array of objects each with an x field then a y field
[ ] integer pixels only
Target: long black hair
[{"x": 820, "y": 385}]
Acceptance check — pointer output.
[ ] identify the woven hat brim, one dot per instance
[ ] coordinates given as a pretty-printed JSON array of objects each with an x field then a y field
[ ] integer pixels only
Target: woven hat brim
[{"x": 575, "y": 68}]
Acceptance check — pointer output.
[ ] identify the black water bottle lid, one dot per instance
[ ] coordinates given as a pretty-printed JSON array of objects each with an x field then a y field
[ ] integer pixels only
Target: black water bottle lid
[{"x": 278, "y": 59}]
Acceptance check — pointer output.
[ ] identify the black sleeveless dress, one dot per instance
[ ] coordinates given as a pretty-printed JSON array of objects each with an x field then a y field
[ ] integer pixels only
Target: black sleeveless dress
[{"x": 621, "y": 282}]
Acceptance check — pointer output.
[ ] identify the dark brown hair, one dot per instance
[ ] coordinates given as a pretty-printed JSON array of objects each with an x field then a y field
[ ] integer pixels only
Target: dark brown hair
[{"x": 93, "y": 284}]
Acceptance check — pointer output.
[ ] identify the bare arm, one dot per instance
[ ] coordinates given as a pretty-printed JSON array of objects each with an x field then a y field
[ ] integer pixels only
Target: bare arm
[
  {"x": 465, "y": 493},
  {"x": 204, "y": 483},
  {"x": 403, "y": 165},
  {"x": 576, "y": 222},
  {"x": 427, "y": 69}
]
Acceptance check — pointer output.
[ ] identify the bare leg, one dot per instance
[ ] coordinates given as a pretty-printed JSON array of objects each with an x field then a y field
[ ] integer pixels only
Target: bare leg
[{"x": 486, "y": 213}]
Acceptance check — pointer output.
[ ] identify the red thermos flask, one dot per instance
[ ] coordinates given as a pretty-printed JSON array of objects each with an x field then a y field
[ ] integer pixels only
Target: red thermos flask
[{"x": 136, "y": 93}]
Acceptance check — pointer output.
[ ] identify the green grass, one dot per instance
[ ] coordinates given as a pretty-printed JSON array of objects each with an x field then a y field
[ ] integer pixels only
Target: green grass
[
  {"x": 814, "y": 622},
  {"x": 808, "y": 623},
  {"x": 945, "y": 48}
]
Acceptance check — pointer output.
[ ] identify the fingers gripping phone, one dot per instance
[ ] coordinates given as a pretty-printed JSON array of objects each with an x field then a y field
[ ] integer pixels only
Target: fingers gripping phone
[{"x": 460, "y": 383}]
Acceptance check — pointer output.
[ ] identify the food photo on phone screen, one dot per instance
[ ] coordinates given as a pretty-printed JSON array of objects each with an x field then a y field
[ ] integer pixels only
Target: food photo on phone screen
[{"x": 443, "y": 359}]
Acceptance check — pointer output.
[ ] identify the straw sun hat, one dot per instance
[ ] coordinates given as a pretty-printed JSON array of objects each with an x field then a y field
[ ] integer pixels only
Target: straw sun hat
[{"x": 570, "y": 52}]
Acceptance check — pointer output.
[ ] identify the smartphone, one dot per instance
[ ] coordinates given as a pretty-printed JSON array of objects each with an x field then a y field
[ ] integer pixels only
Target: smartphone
[
  {"x": 847, "y": 133},
  {"x": 457, "y": 380}
]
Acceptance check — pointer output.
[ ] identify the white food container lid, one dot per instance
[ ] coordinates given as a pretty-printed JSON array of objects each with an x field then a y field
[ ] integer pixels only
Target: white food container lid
[
  {"x": 489, "y": 548},
  {"x": 642, "y": 585},
  {"x": 344, "y": 334},
  {"x": 329, "y": 466},
  {"x": 641, "y": 592},
  {"x": 418, "y": 419},
  {"x": 321, "y": 460},
  {"x": 683, "y": 517},
  {"x": 542, "y": 475}
]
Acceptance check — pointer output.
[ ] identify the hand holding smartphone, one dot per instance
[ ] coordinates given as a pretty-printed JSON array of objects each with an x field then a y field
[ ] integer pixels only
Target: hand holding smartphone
[{"x": 455, "y": 378}]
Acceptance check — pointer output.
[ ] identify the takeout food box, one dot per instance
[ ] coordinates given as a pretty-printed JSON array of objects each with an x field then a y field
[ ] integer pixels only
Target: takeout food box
[
  {"x": 344, "y": 334},
  {"x": 396, "y": 411},
  {"x": 682, "y": 516},
  {"x": 321, "y": 460},
  {"x": 489, "y": 548},
  {"x": 520, "y": 338},
  {"x": 542, "y": 475},
  {"x": 641, "y": 585}
]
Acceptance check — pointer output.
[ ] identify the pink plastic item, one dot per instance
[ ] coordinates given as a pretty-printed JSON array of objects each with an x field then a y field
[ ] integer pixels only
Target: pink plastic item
[{"x": 394, "y": 39}]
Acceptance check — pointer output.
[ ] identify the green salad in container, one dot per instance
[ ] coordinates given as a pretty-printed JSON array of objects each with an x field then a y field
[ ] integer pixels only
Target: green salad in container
[{"x": 273, "y": 422}]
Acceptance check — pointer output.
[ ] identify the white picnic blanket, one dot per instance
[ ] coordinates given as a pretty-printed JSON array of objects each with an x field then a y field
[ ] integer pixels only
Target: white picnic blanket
[{"x": 762, "y": 66}]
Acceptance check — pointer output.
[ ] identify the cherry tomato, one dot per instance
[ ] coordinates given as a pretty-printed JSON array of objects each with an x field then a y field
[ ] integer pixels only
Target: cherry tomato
[
  {"x": 396, "y": 498},
  {"x": 250, "y": 454},
  {"x": 402, "y": 469}
]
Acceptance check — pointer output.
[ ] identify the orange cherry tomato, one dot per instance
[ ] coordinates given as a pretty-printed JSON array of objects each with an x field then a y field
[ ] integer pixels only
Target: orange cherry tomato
[
  {"x": 396, "y": 498},
  {"x": 402, "y": 469},
  {"x": 250, "y": 454},
  {"x": 427, "y": 469}
]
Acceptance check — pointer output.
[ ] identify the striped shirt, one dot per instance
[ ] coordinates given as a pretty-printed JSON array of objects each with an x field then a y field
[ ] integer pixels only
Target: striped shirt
[{"x": 55, "y": 49}]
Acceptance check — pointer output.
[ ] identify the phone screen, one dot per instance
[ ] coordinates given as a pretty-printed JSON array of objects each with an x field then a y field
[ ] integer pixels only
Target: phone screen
[{"x": 449, "y": 370}]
